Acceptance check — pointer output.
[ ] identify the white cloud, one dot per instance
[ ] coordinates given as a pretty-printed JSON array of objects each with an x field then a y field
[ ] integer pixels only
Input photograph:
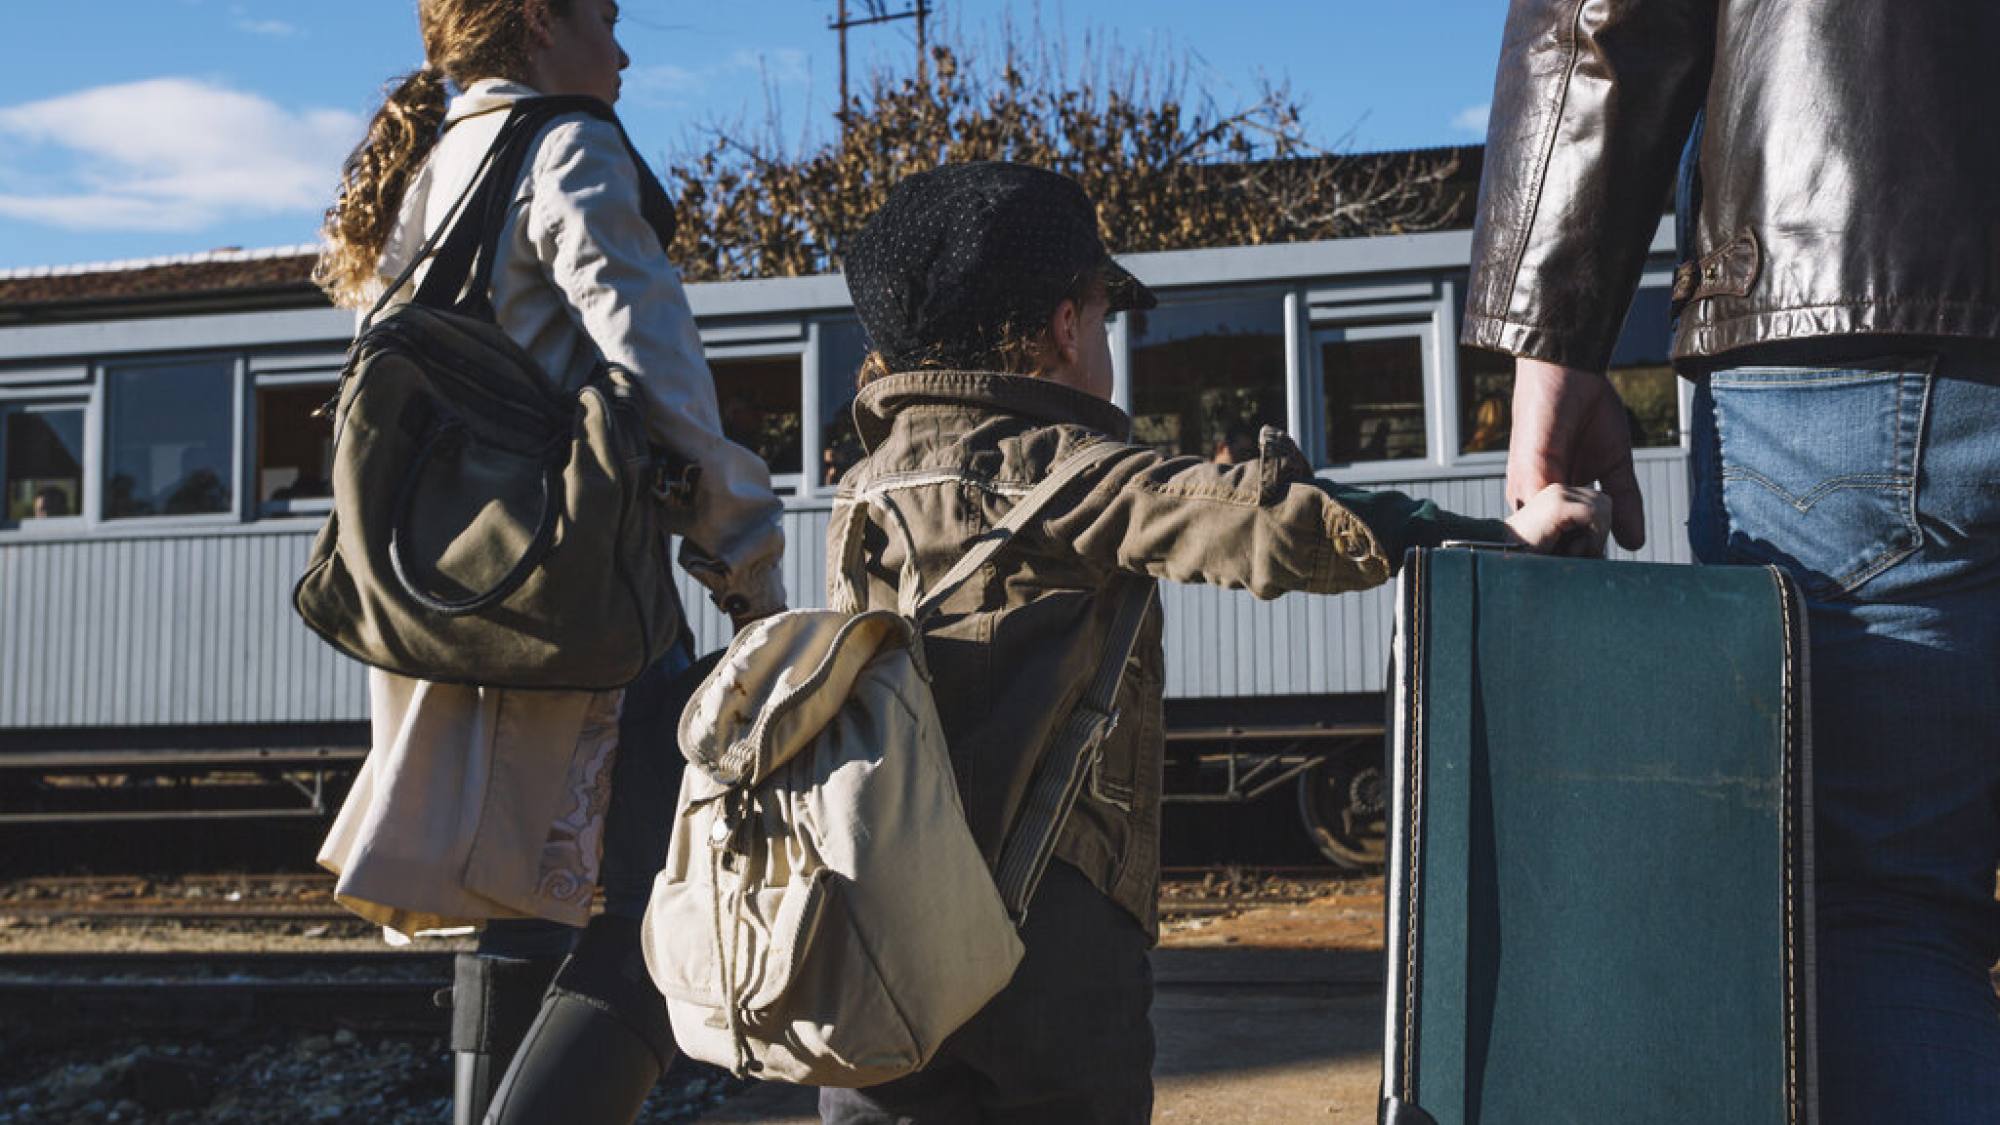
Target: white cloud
[
  {"x": 786, "y": 65},
  {"x": 1472, "y": 119},
  {"x": 663, "y": 80},
  {"x": 277, "y": 29},
  {"x": 175, "y": 154},
  {"x": 669, "y": 86}
]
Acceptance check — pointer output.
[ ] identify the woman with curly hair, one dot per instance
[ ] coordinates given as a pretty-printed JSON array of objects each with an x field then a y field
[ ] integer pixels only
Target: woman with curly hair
[{"x": 458, "y": 773}]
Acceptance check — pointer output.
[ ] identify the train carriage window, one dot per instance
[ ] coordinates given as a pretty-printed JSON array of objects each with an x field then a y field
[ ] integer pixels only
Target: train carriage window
[
  {"x": 842, "y": 347},
  {"x": 294, "y": 449},
  {"x": 1641, "y": 369},
  {"x": 41, "y": 451},
  {"x": 1485, "y": 400},
  {"x": 170, "y": 439},
  {"x": 1372, "y": 378},
  {"x": 1207, "y": 375},
  {"x": 759, "y": 399}
]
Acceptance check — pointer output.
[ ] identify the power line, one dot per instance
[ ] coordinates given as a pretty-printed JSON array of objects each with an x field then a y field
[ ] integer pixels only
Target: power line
[{"x": 876, "y": 12}]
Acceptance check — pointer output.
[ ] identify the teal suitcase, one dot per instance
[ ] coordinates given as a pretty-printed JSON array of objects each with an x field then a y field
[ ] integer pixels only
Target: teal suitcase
[{"x": 1600, "y": 904}]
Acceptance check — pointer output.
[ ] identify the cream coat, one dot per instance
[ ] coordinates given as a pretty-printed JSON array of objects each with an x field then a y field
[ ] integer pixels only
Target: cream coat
[{"x": 480, "y": 803}]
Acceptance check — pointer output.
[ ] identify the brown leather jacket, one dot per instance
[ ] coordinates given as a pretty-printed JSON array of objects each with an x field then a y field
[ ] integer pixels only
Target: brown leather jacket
[
  {"x": 1847, "y": 167},
  {"x": 1010, "y": 654}
]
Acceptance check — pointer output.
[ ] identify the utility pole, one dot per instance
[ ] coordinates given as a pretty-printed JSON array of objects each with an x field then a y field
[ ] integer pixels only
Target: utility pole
[{"x": 878, "y": 13}]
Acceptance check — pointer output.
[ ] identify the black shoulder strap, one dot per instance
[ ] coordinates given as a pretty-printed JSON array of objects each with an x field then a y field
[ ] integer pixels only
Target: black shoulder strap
[{"x": 467, "y": 243}]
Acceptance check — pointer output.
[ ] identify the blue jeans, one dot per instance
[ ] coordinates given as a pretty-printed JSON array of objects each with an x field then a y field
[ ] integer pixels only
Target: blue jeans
[
  {"x": 645, "y": 783},
  {"x": 1877, "y": 486}
]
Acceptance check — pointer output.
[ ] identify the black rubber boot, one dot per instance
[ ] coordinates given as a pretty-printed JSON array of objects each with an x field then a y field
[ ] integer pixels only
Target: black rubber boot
[
  {"x": 494, "y": 1000},
  {"x": 599, "y": 1043}
]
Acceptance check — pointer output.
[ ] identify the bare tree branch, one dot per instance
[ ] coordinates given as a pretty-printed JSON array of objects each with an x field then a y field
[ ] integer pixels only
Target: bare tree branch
[{"x": 1167, "y": 172}]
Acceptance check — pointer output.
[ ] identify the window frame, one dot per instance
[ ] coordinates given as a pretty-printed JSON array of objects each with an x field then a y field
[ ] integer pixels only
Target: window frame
[
  {"x": 786, "y": 485},
  {"x": 239, "y": 381},
  {"x": 1418, "y": 320},
  {"x": 253, "y": 438},
  {"x": 20, "y": 399},
  {"x": 1124, "y": 381}
]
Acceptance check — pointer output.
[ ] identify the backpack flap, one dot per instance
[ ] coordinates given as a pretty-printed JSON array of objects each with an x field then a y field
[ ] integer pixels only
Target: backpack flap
[{"x": 781, "y": 681}]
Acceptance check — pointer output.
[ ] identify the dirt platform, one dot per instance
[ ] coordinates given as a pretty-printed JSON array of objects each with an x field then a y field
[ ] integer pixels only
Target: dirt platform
[{"x": 1270, "y": 1014}]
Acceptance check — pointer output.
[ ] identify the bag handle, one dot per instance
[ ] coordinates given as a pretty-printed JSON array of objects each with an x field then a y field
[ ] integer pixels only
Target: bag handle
[
  {"x": 531, "y": 556},
  {"x": 1058, "y": 781}
]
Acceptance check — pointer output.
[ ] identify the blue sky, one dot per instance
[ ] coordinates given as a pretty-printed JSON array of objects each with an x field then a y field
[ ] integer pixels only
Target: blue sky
[{"x": 136, "y": 128}]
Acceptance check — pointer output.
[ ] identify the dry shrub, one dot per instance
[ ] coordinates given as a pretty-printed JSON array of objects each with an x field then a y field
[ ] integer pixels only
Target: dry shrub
[{"x": 1167, "y": 172}]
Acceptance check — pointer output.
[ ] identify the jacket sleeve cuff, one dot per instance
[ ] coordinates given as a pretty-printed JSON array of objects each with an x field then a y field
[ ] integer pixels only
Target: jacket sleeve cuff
[
  {"x": 1530, "y": 341},
  {"x": 756, "y": 591},
  {"x": 764, "y": 591},
  {"x": 1399, "y": 522}
]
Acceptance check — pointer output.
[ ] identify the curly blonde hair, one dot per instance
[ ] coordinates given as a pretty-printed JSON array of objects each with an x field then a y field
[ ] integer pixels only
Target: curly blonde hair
[{"x": 464, "y": 41}]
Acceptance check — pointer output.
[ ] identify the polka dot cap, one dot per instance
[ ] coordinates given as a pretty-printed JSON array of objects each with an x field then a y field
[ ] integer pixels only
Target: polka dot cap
[{"x": 957, "y": 255}]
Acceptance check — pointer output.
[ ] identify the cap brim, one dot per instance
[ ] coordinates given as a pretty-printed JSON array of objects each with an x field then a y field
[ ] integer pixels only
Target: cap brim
[{"x": 1126, "y": 291}]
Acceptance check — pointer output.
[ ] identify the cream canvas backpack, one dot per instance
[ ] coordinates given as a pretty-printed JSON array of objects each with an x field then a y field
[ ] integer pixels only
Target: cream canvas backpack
[{"x": 825, "y": 916}]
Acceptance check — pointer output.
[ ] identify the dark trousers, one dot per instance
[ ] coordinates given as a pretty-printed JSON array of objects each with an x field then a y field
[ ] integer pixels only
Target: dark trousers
[{"x": 1068, "y": 1040}]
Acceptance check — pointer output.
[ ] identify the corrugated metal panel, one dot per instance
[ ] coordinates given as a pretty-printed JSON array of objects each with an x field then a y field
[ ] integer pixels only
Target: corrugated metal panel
[
  {"x": 1226, "y": 644},
  {"x": 166, "y": 631},
  {"x": 199, "y": 628}
]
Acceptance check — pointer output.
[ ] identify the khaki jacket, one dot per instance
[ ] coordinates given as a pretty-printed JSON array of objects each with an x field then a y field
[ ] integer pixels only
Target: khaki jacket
[
  {"x": 478, "y": 802},
  {"x": 1011, "y": 653}
]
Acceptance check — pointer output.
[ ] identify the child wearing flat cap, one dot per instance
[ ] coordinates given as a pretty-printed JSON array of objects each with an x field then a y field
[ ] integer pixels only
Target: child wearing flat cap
[{"x": 984, "y": 290}]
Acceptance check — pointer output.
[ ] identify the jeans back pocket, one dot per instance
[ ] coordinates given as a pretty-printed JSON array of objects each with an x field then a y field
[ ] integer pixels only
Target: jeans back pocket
[{"x": 1819, "y": 467}]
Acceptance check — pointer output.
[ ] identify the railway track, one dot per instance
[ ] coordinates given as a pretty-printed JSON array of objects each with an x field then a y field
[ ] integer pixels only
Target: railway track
[
  {"x": 373, "y": 992},
  {"x": 1206, "y": 891},
  {"x": 112, "y": 898},
  {"x": 1190, "y": 891}
]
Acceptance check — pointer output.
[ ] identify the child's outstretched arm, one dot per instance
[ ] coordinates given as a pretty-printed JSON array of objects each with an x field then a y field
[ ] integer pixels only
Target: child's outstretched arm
[{"x": 1271, "y": 527}]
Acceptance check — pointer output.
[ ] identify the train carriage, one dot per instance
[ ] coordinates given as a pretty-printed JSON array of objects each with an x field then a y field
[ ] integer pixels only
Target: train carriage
[{"x": 163, "y": 476}]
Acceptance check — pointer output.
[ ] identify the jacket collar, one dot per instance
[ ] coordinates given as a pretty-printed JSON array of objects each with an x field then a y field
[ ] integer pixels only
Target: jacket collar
[
  {"x": 488, "y": 95},
  {"x": 876, "y": 407}
]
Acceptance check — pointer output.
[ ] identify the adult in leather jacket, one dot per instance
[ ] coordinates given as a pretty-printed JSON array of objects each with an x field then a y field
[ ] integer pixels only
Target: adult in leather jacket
[{"x": 1839, "y": 306}]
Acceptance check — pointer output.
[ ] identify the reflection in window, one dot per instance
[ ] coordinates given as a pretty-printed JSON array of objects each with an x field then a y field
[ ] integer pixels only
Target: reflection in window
[
  {"x": 759, "y": 399},
  {"x": 1485, "y": 400},
  {"x": 1374, "y": 397},
  {"x": 44, "y": 462},
  {"x": 1207, "y": 376},
  {"x": 294, "y": 449},
  {"x": 1641, "y": 371},
  {"x": 842, "y": 347},
  {"x": 169, "y": 440}
]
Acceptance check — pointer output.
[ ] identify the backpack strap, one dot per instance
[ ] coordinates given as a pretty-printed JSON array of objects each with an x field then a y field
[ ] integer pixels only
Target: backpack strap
[
  {"x": 913, "y": 601},
  {"x": 1059, "y": 779},
  {"x": 462, "y": 277},
  {"x": 467, "y": 243}
]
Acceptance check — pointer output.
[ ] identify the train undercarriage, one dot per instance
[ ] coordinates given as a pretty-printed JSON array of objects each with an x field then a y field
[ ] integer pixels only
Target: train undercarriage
[{"x": 1322, "y": 756}]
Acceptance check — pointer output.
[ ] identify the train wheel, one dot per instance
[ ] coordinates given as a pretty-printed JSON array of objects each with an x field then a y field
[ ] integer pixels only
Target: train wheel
[{"x": 1341, "y": 802}]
